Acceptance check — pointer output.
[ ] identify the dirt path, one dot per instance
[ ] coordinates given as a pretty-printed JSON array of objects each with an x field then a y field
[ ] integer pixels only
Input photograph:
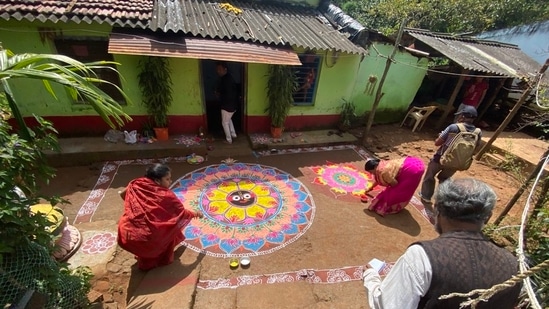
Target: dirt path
[{"x": 343, "y": 234}]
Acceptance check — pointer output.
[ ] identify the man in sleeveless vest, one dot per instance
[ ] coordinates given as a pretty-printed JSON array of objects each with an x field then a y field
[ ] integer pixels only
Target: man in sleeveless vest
[
  {"x": 434, "y": 169},
  {"x": 460, "y": 260}
]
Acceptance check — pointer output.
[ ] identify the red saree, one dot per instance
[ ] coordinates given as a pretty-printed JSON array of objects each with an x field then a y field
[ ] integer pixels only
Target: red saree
[{"x": 150, "y": 225}]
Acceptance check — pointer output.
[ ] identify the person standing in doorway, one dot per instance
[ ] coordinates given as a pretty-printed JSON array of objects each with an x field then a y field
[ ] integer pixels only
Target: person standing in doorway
[
  {"x": 227, "y": 94},
  {"x": 474, "y": 94}
]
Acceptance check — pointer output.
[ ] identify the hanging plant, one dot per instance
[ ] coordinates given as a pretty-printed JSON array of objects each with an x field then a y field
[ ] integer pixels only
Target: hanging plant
[
  {"x": 156, "y": 88},
  {"x": 281, "y": 85}
]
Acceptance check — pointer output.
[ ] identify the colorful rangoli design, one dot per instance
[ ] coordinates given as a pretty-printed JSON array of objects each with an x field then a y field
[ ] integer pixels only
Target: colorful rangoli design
[
  {"x": 249, "y": 209},
  {"x": 188, "y": 140},
  {"x": 261, "y": 138},
  {"x": 313, "y": 276},
  {"x": 99, "y": 243},
  {"x": 342, "y": 179}
]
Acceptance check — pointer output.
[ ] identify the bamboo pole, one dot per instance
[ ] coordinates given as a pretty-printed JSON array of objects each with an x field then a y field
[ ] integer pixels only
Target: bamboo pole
[
  {"x": 513, "y": 111},
  {"x": 449, "y": 106},
  {"x": 490, "y": 100},
  {"x": 519, "y": 192},
  {"x": 380, "y": 86}
]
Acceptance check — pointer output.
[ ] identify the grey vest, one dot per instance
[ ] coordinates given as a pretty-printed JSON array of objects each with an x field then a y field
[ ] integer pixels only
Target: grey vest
[{"x": 464, "y": 261}]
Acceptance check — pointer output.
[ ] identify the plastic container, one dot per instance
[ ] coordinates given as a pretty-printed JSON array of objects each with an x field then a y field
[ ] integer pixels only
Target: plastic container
[
  {"x": 233, "y": 263},
  {"x": 245, "y": 261}
]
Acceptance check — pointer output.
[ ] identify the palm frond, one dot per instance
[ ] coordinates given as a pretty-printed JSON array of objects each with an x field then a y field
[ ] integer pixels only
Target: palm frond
[{"x": 80, "y": 78}]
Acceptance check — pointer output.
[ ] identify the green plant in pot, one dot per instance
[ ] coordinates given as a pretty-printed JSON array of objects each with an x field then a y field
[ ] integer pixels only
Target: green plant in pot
[
  {"x": 156, "y": 89},
  {"x": 281, "y": 85},
  {"x": 347, "y": 116}
]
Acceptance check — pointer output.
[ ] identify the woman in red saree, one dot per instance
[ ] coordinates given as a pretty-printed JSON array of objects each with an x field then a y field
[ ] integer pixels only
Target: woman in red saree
[
  {"x": 401, "y": 177},
  {"x": 153, "y": 216}
]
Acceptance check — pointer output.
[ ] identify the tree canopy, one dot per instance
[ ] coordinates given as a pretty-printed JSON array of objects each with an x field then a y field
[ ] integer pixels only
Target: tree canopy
[{"x": 448, "y": 16}]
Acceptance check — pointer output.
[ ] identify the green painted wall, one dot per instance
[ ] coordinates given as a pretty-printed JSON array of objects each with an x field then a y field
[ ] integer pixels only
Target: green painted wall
[
  {"x": 187, "y": 89},
  {"x": 32, "y": 97},
  {"x": 257, "y": 89},
  {"x": 22, "y": 37},
  {"x": 400, "y": 86},
  {"x": 342, "y": 77},
  {"x": 337, "y": 75}
]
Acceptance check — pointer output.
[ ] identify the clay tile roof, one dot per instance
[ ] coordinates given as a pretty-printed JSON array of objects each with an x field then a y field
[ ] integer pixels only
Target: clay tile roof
[
  {"x": 134, "y": 13},
  {"x": 264, "y": 23}
]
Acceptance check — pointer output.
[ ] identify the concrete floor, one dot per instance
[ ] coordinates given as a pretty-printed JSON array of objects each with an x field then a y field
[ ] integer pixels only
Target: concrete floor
[
  {"x": 85, "y": 150},
  {"x": 165, "y": 287}
]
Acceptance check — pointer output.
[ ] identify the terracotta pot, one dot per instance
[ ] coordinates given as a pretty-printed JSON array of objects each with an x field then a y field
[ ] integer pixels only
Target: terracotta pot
[
  {"x": 161, "y": 134},
  {"x": 276, "y": 132}
]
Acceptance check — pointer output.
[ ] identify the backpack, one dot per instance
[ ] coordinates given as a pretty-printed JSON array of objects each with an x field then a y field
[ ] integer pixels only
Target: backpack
[{"x": 459, "y": 154}]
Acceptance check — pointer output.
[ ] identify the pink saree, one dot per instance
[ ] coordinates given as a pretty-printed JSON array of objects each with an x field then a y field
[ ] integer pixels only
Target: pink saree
[{"x": 395, "y": 197}]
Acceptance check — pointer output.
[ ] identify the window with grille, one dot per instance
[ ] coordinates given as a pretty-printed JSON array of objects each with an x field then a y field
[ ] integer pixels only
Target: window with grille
[
  {"x": 307, "y": 79},
  {"x": 88, "y": 50}
]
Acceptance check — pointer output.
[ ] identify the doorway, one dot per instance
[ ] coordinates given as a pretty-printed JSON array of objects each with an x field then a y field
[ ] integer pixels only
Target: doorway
[{"x": 213, "y": 111}]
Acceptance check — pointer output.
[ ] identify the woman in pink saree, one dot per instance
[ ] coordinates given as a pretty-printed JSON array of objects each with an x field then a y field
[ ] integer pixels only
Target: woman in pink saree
[{"x": 400, "y": 177}]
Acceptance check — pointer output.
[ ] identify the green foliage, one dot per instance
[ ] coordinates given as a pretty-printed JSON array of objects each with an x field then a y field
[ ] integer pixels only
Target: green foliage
[
  {"x": 77, "y": 77},
  {"x": 536, "y": 251},
  {"x": 512, "y": 165},
  {"x": 451, "y": 16},
  {"x": 25, "y": 244},
  {"x": 347, "y": 115},
  {"x": 536, "y": 242},
  {"x": 24, "y": 234},
  {"x": 31, "y": 267},
  {"x": 156, "y": 87},
  {"x": 540, "y": 119},
  {"x": 24, "y": 163},
  {"x": 281, "y": 85}
]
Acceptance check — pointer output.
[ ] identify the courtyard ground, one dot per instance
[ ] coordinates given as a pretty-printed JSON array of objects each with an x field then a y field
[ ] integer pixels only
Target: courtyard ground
[{"x": 313, "y": 268}]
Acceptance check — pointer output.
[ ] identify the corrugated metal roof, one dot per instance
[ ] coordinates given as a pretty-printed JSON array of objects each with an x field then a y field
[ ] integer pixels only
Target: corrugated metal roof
[
  {"x": 272, "y": 24},
  {"x": 276, "y": 24},
  {"x": 200, "y": 48},
  {"x": 480, "y": 55},
  {"x": 135, "y": 13}
]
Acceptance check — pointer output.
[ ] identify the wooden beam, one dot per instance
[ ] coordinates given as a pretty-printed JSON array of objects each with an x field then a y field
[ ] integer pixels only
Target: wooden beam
[
  {"x": 490, "y": 100},
  {"x": 514, "y": 110},
  {"x": 449, "y": 106},
  {"x": 519, "y": 192},
  {"x": 378, "y": 96}
]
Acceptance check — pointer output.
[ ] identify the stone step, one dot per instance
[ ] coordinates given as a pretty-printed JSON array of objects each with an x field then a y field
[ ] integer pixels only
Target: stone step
[
  {"x": 493, "y": 159},
  {"x": 81, "y": 151}
]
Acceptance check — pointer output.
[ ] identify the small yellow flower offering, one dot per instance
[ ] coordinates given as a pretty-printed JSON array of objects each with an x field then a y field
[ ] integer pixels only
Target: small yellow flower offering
[
  {"x": 230, "y": 8},
  {"x": 234, "y": 262}
]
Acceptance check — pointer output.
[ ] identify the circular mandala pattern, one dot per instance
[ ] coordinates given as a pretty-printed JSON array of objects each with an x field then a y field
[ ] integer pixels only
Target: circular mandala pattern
[
  {"x": 342, "y": 179},
  {"x": 249, "y": 209},
  {"x": 99, "y": 243}
]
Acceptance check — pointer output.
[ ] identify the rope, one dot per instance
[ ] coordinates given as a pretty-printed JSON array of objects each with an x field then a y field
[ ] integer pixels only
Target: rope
[{"x": 485, "y": 294}]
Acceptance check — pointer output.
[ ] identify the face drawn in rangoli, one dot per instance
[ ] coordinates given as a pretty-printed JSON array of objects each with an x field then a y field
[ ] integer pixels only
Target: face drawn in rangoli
[{"x": 249, "y": 209}]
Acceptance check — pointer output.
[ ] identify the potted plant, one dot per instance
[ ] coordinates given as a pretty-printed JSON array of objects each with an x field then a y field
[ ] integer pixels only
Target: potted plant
[
  {"x": 156, "y": 88},
  {"x": 281, "y": 85},
  {"x": 346, "y": 116}
]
